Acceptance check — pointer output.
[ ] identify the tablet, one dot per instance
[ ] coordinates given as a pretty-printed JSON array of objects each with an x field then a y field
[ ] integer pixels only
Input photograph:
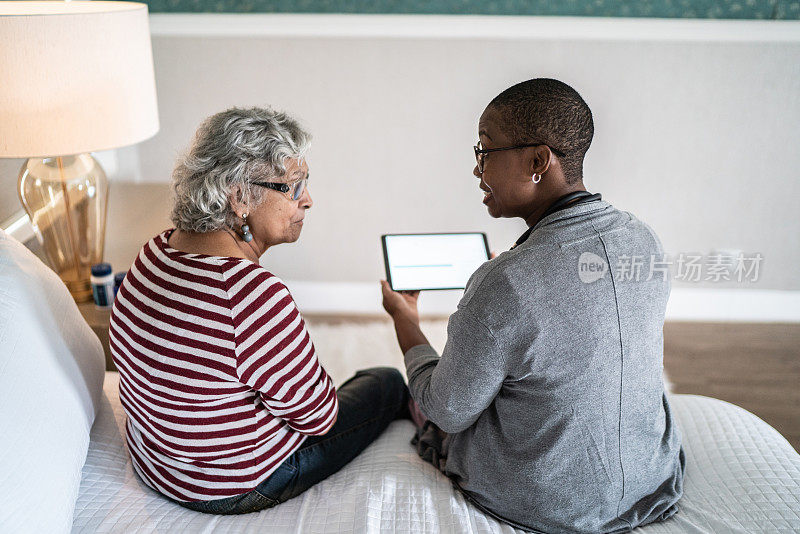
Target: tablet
[{"x": 433, "y": 261}]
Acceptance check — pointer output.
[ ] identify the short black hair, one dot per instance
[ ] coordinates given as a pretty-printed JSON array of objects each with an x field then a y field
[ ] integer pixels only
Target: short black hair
[{"x": 548, "y": 111}]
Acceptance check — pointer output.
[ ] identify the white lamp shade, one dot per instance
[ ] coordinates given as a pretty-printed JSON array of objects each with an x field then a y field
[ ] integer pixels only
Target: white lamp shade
[{"x": 75, "y": 77}]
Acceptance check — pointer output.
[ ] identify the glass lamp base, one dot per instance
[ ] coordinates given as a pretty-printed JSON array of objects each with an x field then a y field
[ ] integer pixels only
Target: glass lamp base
[
  {"x": 66, "y": 199},
  {"x": 80, "y": 289}
]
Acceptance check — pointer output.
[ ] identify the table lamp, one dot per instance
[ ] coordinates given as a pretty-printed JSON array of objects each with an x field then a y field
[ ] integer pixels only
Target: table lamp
[{"x": 75, "y": 77}]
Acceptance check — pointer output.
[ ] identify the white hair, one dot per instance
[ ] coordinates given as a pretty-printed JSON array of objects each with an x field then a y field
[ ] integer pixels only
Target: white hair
[{"x": 232, "y": 149}]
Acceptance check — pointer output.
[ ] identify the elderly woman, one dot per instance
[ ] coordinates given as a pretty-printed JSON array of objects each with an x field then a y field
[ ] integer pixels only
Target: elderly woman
[{"x": 229, "y": 410}]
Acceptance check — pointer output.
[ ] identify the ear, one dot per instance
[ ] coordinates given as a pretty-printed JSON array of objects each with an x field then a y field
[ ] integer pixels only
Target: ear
[
  {"x": 539, "y": 161},
  {"x": 233, "y": 199}
]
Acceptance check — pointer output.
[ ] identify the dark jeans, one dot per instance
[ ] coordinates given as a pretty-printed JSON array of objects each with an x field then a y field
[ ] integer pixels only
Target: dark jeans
[{"x": 368, "y": 402}]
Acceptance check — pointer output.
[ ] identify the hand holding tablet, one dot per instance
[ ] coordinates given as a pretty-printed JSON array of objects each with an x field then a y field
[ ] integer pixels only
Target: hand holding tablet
[{"x": 433, "y": 261}]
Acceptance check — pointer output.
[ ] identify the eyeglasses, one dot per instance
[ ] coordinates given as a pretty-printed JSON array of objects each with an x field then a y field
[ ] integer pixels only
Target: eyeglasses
[
  {"x": 294, "y": 189},
  {"x": 480, "y": 152}
]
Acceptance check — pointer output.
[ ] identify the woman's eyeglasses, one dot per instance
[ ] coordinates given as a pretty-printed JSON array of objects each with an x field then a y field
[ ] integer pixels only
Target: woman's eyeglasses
[
  {"x": 480, "y": 152},
  {"x": 292, "y": 190}
]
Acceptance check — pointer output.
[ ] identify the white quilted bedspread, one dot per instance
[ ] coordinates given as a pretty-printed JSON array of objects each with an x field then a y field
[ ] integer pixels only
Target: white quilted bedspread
[{"x": 741, "y": 476}]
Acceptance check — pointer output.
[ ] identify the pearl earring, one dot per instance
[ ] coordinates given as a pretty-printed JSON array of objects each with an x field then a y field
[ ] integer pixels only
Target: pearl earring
[
  {"x": 246, "y": 235},
  {"x": 537, "y": 178}
]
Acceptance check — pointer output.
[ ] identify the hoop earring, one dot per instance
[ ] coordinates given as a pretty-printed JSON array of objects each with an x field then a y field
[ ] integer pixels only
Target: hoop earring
[
  {"x": 246, "y": 235},
  {"x": 537, "y": 178}
]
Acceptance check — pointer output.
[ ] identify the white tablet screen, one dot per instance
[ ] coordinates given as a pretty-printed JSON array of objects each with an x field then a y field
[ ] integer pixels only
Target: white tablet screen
[{"x": 433, "y": 261}]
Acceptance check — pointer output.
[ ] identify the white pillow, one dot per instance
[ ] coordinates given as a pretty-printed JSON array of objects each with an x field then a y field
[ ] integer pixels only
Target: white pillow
[{"x": 51, "y": 381}]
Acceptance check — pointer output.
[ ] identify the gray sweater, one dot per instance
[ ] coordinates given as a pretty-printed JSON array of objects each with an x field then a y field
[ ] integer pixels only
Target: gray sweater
[{"x": 550, "y": 383}]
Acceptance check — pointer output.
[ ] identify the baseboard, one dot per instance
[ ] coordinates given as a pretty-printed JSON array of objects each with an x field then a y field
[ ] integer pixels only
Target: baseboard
[
  {"x": 685, "y": 304},
  {"x": 364, "y": 299},
  {"x": 734, "y": 305}
]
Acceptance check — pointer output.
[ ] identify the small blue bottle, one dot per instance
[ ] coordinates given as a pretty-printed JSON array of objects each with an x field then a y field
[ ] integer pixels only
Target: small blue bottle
[{"x": 102, "y": 285}]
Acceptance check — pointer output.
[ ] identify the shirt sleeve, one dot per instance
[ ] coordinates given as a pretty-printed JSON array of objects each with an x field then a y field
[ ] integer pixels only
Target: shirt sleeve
[
  {"x": 454, "y": 389},
  {"x": 275, "y": 356}
]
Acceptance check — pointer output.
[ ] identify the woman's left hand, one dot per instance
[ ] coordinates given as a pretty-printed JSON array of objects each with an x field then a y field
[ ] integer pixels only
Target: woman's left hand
[{"x": 400, "y": 303}]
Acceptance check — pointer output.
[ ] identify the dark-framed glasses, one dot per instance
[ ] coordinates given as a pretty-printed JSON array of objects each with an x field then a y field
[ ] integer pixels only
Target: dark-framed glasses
[
  {"x": 480, "y": 152},
  {"x": 292, "y": 190}
]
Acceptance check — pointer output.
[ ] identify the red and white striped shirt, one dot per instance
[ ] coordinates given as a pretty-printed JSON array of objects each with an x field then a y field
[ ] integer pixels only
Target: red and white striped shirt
[{"x": 218, "y": 375}]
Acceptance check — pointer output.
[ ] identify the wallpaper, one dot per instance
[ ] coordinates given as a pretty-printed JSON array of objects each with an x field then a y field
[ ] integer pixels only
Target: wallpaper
[{"x": 692, "y": 9}]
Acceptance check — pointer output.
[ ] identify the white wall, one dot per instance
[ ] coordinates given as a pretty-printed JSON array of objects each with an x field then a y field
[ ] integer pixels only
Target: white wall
[{"x": 697, "y": 124}]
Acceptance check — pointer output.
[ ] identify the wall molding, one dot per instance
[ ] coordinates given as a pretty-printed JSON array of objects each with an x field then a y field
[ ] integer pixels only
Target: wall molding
[
  {"x": 470, "y": 27},
  {"x": 685, "y": 304}
]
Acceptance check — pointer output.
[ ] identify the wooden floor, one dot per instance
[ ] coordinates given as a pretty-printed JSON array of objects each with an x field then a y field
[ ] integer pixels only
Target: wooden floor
[{"x": 755, "y": 366}]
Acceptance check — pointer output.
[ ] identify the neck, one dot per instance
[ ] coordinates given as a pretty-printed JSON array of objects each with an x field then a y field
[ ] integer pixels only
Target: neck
[
  {"x": 252, "y": 251},
  {"x": 217, "y": 243},
  {"x": 541, "y": 206}
]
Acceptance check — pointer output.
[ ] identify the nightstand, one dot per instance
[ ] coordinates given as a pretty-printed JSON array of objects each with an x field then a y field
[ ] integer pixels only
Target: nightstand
[{"x": 98, "y": 319}]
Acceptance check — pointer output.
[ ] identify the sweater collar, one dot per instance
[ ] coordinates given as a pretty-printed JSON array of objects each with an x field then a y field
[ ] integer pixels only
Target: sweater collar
[{"x": 583, "y": 205}]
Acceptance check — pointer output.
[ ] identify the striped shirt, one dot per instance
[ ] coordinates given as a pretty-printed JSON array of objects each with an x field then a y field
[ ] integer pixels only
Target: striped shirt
[{"x": 218, "y": 375}]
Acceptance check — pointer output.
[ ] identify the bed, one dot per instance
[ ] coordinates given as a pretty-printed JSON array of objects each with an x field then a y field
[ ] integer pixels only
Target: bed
[
  {"x": 64, "y": 465},
  {"x": 741, "y": 476}
]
